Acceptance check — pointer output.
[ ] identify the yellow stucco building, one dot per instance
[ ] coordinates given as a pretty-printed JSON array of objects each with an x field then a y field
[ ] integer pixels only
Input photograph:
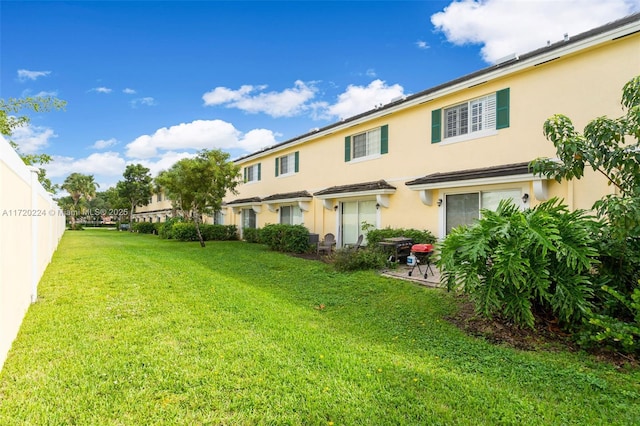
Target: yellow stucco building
[{"x": 433, "y": 159}]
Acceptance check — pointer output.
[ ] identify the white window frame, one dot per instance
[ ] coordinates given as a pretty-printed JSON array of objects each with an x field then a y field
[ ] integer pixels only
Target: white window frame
[
  {"x": 372, "y": 140},
  {"x": 479, "y": 119},
  {"x": 291, "y": 165},
  {"x": 297, "y": 215},
  {"x": 517, "y": 190},
  {"x": 252, "y": 173}
]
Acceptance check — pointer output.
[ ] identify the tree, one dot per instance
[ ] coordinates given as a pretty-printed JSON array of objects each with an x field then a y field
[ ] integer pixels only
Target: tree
[
  {"x": 117, "y": 205},
  {"x": 136, "y": 188},
  {"x": 197, "y": 185},
  {"x": 611, "y": 147},
  {"x": 79, "y": 187},
  {"x": 8, "y": 123}
]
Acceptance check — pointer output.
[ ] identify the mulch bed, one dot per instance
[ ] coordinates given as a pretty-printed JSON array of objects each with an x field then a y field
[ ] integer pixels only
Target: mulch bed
[{"x": 546, "y": 335}]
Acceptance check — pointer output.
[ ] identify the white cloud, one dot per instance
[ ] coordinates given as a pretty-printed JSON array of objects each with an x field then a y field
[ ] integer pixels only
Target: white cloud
[
  {"x": 256, "y": 139},
  {"x": 358, "y": 99},
  {"x": 102, "y": 164},
  {"x": 199, "y": 134},
  {"x": 101, "y": 90},
  {"x": 148, "y": 101},
  {"x": 31, "y": 139},
  {"x": 129, "y": 91},
  {"x": 45, "y": 94},
  {"x": 165, "y": 161},
  {"x": 422, "y": 44},
  {"x": 504, "y": 27},
  {"x": 104, "y": 143},
  {"x": 24, "y": 75},
  {"x": 287, "y": 103}
]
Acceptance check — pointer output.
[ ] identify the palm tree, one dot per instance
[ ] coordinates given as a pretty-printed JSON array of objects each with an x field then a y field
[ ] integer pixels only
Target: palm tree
[{"x": 79, "y": 186}]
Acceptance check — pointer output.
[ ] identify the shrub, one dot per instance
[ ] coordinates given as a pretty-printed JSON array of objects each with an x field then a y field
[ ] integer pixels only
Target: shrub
[
  {"x": 374, "y": 236},
  {"x": 354, "y": 260},
  {"x": 285, "y": 238},
  {"x": 620, "y": 331},
  {"x": 250, "y": 235},
  {"x": 145, "y": 227},
  {"x": 165, "y": 230},
  {"x": 184, "y": 231},
  {"x": 516, "y": 262},
  {"x": 219, "y": 232}
]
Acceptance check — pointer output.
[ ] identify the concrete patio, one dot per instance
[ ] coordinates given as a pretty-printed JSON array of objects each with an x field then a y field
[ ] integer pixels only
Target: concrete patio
[{"x": 401, "y": 271}]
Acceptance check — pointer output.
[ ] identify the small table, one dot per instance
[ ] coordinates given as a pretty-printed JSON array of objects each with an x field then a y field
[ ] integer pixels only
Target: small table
[{"x": 398, "y": 246}]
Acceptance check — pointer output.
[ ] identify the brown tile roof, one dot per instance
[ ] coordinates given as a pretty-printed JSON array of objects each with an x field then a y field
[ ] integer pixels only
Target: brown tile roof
[
  {"x": 244, "y": 201},
  {"x": 356, "y": 187},
  {"x": 288, "y": 196},
  {"x": 486, "y": 172}
]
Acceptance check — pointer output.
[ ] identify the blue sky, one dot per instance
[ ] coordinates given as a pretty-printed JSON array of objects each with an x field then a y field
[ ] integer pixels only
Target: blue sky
[{"x": 151, "y": 82}]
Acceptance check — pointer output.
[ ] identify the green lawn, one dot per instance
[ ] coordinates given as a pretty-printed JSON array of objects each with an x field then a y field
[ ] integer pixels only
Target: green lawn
[{"x": 133, "y": 330}]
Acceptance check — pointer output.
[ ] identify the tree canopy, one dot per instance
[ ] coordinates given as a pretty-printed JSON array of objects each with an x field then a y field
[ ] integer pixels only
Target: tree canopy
[
  {"x": 79, "y": 187},
  {"x": 196, "y": 186},
  {"x": 136, "y": 187},
  {"x": 9, "y": 122},
  {"x": 611, "y": 147}
]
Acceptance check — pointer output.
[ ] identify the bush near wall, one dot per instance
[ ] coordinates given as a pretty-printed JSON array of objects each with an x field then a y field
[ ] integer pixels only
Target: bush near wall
[
  {"x": 345, "y": 260},
  {"x": 186, "y": 231},
  {"x": 219, "y": 232},
  {"x": 285, "y": 238},
  {"x": 251, "y": 235},
  {"x": 165, "y": 230},
  {"x": 374, "y": 236},
  {"x": 145, "y": 227}
]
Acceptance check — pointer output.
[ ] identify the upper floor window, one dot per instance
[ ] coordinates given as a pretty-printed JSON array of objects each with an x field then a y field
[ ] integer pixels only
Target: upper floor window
[
  {"x": 473, "y": 116},
  {"x": 159, "y": 197},
  {"x": 477, "y": 117},
  {"x": 288, "y": 164},
  {"x": 252, "y": 173},
  {"x": 371, "y": 143}
]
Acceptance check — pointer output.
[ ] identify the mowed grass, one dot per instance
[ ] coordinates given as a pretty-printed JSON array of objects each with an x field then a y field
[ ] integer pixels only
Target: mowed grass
[{"x": 133, "y": 330}]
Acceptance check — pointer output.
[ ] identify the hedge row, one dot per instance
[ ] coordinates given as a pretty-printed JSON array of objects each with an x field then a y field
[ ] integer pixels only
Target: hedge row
[
  {"x": 186, "y": 231},
  {"x": 283, "y": 238}
]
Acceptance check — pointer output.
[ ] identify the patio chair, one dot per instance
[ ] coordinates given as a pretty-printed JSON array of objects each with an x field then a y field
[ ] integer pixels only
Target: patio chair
[
  {"x": 356, "y": 246},
  {"x": 327, "y": 243},
  {"x": 359, "y": 242}
]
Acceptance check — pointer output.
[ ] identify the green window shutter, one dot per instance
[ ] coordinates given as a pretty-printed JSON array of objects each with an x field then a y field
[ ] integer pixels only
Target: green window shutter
[
  {"x": 384, "y": 139},
  {"x": 296, "y": 162},
  {"x": 347, "y": 149},
  {"x": 502, "y": 108},
  {"x": 436, "y": 132},
  {"x": 245, "y": 174},
  {"x": 277, "y": 167},
  {"x": 259, "y": 167}
]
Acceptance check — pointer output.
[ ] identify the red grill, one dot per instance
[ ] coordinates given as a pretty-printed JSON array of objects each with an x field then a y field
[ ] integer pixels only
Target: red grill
[{"x": 420, "y": 254}]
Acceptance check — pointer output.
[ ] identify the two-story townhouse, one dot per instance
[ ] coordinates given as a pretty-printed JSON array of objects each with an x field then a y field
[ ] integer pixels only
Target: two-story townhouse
[
  {"x": 158, "y": 209},
  {"x": 435, "y": 158}
]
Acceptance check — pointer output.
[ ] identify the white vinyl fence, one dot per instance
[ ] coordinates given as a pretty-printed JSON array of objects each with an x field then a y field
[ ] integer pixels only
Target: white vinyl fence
[{"x": 31, "y": 225}]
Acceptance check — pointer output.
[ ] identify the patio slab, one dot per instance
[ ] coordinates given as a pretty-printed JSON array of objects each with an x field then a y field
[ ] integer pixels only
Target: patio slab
[{"x": 402, "y": 272}]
